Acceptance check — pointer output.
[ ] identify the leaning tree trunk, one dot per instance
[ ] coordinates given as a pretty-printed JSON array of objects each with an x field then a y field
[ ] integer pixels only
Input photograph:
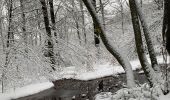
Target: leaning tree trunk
[
  {"x": 122, "y": 59},
  {"x": 152, "y": 77},
  {"x": 49, "y": 42},
  {"x": 148, "y": 39}
]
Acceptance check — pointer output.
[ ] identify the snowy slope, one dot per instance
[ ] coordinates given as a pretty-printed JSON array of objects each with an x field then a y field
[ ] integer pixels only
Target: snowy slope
[{"x": 25, "y": 91}]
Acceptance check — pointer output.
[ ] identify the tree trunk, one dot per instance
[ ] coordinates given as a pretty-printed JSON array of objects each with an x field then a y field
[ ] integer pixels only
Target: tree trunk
[
  {"x": 10, "y": 39},
  {"x": 96, "y": 32},
  {"x": 102, "y": 11},
  {"x": 38, "y": 27},
  {"x": 52, "y": 16},
  {"x": 83, "y": 21},
  {"x": 110, "y": 47},
  {"x": 76, "y": 20},
  {"x": 166, "y": 32},
  {"x": 49, "y": 42},
  {"x": 149, "y": 72},
  {"x": 122, "y": 16},
  {"x": 1, "y": 28},
  {"x": 59, "y": 60},
  {"x": 166, "y": 25},
  {"x": 24, "y": 25},
  {"x": 148, "y": 39},
  {"x": 3, "y": 44}
]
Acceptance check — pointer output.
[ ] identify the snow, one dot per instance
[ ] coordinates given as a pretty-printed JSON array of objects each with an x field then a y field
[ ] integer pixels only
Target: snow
[
  {"x": 165, "y": 97},
  {"x": 144, "y": 92},
  {"x": 25, "y": 91},
  {"x": 104, "y": 70},
  {"x": 104, "y": 96},
  {"x": 100, "y": 70}
]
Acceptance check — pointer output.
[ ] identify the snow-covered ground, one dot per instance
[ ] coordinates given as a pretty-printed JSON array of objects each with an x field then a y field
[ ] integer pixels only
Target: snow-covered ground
[
  {"x": 103, "y": 70},
  {"x": 25, "y": 91},
  {"x": 71, "y": 72},
  {"x": 165, "y": 97}
]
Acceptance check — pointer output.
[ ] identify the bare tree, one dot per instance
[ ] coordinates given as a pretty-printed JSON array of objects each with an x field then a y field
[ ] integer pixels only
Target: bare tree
[
  {"x": 166, "y": 25},
  {"x": 49, "y": 42},
  {"x": 23, "y": 24},
  {"x": 139, "y": 44},
  {"x": 83, "y": 21},
  {"x": 122, "y": 59},
  {"x": 152, "y": 76},
  {"x": 102, "y": 11},
  {"x": 76, "y": 20},
  {"x": 148, "y": 39},
  {"x": 96, "y": 32},
  {"x": 10, "y": 39},
  {"x": 122, "y": 14}
]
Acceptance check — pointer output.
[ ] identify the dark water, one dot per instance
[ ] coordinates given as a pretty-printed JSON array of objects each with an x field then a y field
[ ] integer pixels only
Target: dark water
[
  {"x": 52, "y": 94},
  {"x": 66, "y": 89}
]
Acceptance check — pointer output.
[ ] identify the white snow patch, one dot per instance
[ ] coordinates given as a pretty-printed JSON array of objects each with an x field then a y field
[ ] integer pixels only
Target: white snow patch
[
  {"x": 165, "y": 97},
  {"x": 141, "y": 72},
  {"x": 104, "y": 96},
  {"x": 25, "y": 91},
  {"x": 101, "y": 70}
]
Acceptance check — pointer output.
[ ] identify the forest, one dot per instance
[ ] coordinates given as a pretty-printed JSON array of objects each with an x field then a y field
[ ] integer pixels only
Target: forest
[{"x": 84, "y": 49}]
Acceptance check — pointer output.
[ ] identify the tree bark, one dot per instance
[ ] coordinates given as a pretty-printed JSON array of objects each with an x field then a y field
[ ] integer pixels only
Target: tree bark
[
  {"x": 122, "y": 59},
  {"x": 76, "y": 19},
  {"x": 96, "y": 32},
  {"x": 52, "y": 16},
  {"x": 10, "y": 39},
  {"x": 1, "y": 28},
  {"x": 24, "y": 25},
  {"x": 166, "y": 25},
  {"x": 49, "y": 45},
  {"x": 148, "y": 70},
  {"x": 102, "y": 11},
  {"x": 121, "y": 7},
  {"x": 148, "y": 39},
  {"x": 39, "y": 40},
  {"x": 83, "y": 21}
]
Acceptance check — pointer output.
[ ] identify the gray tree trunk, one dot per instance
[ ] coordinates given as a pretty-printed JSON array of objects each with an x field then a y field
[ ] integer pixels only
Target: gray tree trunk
[
  {"x": 24, "y": 26},
  {"x": 102, "y": 11},
  {"x": 83, "y": 21},
  {"x": 152, "y": 77},
  {"x": 76, "y": 19},
  {"x": 10, "y": 39},
  {"x": 122, "y": 59},
  {"x": 49, "y": 42},
  {"x": 96, "y": 32},
  {"x": 148, "y": 39}
]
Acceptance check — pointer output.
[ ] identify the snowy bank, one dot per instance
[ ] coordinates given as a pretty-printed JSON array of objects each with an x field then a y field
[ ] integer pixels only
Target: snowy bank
[
  {"x": 98, "y": 71},
  {"x": 25, "y": 91}
]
